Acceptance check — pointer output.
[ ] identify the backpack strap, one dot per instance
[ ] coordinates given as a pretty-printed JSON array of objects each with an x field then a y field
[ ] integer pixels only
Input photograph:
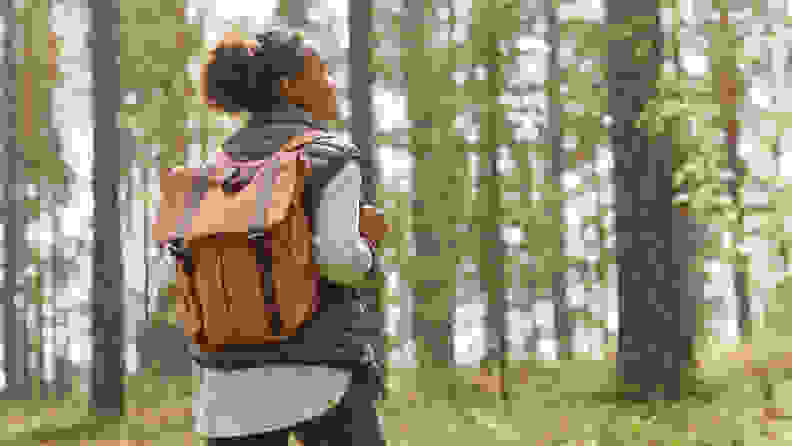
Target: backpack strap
[
  {"x": 183, "y": 254},
  {"x": 264, "y": 246},
  {"x": 236, "y": 181},
  {"x": 297, "y": 142}
]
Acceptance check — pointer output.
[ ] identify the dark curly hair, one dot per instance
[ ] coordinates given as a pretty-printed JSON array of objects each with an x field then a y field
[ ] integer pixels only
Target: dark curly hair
[{"x": 244, "y": 75}]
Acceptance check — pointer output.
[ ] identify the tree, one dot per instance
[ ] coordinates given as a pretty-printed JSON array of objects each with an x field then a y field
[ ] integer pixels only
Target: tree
[
  {"x": 727, "y": 96},
  {"x": 653, "y": 349},
  {"x": 107, "y": 396},
  {"x": 489, "y": 202},
  {"x": 48, "y": 277},
  {"x": 62, "y": 379},
  {"x": 361, "y": 78},
  {"x": 15, "y": 329},
  {"x": 558, "y": 163},
  {"x": 294, "y": 12},
  {"x": 437, "y": 196}
]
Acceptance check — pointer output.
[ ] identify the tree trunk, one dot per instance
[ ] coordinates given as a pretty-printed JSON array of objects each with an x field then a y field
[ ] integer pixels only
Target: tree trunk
[
  {"x": 48, "y": 277},
  {"x": 433, "y": 316},
  {"x": 653, "y": 350},
  {"x": 493, "y": 247},
  {"x": 294, "y": 11},
  {"x": 15, "y": 333},
  {"x": 563, "y": 327},
  {"x": 727, "y": 98},
  {"x": 107, "y": 395},
  {"x": 62, "y": 381},
  {"x": 361, "y": 24}
]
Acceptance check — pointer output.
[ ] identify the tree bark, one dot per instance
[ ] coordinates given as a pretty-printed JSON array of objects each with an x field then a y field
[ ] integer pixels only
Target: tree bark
[
  {"x": 48, "y": 277},
  {"x": 727, "y": 98},
  {"x": 493, "y": 247},
  {"x": 107, "y": 395},
  {"x": 15, "y": 333},
  {"x": 361, "y": 24},
  {"x": 294, "y": 11},
  {"x": 62, "y": 381},
  {"x": 653, "y": 350},
  {"x": 563, "y": 327},
  {"x": 433, "y": 332}
]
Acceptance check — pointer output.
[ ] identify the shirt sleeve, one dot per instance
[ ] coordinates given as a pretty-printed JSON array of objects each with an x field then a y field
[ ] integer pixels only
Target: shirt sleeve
[{"x": 337, "y": 239}]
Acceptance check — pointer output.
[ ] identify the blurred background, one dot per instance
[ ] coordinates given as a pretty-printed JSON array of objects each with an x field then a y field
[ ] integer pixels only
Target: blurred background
[{"x": 488, "y": 131}]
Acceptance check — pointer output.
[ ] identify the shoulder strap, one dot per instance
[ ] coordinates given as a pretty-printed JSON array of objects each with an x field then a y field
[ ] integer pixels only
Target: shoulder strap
[
  {"x": 295, "y": 142},
  {"x": 330, "y": 144},
  {"x": 233, "y": 182}
]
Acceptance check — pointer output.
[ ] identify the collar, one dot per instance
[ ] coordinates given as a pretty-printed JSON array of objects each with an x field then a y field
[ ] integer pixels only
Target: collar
[{"x": 285, "y": 112}]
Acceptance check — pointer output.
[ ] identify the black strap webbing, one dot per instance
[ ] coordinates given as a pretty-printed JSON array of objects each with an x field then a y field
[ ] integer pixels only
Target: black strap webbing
[{"x": 264, "y": 261}]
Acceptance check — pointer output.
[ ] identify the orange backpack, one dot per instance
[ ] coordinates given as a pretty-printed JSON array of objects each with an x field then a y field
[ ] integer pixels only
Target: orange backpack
[{"x": 226, "y": 291}]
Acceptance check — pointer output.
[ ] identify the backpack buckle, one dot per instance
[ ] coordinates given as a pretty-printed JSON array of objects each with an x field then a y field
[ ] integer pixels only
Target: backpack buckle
[
  {"x": 177, "y": 249},
  {"x": 228, "y": 183}
]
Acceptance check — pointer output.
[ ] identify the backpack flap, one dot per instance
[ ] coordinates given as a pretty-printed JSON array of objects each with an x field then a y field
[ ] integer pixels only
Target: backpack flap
[{"x": 194, "y": 202}]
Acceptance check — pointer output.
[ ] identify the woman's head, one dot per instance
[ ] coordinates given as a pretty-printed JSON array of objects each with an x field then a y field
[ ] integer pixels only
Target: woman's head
[{"x": 255, "y": 75}]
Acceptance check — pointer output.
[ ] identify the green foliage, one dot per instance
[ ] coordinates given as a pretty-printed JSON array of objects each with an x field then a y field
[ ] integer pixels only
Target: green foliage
[
  {"x": 697, "y": 162},
  {"x": 157, "y": 45},
  {"x": 33, "y": 90},
  {"x": 587, "y": 319}
]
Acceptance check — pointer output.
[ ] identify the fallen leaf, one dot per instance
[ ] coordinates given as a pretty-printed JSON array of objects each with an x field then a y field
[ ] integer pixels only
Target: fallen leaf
[
  {"x": 743, "y": 355},
  {"x": 524, "y": 375},
  {"x": 785, "y": 363},
  {"x": 16, "y": 419}
]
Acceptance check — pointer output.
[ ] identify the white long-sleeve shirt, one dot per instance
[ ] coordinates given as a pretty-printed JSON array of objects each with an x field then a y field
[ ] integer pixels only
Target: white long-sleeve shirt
[{"x": 337, "y": 235}]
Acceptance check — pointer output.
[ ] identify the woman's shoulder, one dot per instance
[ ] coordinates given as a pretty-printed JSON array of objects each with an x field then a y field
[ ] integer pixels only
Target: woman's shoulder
[{"x": 328, "y": 146}]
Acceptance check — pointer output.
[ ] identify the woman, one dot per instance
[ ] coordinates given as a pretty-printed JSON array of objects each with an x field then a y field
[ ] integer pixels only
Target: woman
[{"x": 287, "y": 90}]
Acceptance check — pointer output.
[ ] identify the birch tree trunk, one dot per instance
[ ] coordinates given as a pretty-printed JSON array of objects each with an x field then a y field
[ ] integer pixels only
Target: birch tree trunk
[
  {"x": 653, "y": 350},
  {"x": 107, "y": 395}
]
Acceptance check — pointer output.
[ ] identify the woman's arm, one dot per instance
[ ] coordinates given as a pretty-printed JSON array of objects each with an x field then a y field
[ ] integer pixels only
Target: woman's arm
[{"x": 337, "y": 240}]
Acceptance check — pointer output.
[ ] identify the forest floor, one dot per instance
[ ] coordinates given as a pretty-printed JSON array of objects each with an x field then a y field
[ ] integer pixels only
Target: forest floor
[{"x": 550, "y": 403}]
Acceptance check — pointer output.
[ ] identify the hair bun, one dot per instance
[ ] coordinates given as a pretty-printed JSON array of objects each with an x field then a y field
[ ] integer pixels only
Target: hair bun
[{"x": 233, "y": 81}]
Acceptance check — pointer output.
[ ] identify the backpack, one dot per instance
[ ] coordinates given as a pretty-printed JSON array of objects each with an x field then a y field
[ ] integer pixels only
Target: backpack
[{"x": 245, "y": 272}]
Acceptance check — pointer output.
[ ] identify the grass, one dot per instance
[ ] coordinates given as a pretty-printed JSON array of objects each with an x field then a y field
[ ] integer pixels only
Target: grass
[{"x": 560, "y": 404}]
